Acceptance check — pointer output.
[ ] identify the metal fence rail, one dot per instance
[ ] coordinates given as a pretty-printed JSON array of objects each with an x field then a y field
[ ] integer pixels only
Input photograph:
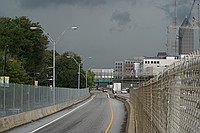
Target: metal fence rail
[
  {"x": 20, "y": 98},
  {"x": 170, "y": 102}
]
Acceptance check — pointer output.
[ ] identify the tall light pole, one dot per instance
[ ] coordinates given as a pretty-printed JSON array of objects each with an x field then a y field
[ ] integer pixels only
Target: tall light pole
[
  {"x": 86, "y": 80},
  {"x": 54, "y": 42},
  {"x": 79, "y": 67}
]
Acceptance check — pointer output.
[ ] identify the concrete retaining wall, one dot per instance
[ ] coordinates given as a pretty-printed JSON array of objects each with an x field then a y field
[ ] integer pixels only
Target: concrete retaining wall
[
  {"x": 26, "y": 117},
  {"x": 130, "y": 125}
]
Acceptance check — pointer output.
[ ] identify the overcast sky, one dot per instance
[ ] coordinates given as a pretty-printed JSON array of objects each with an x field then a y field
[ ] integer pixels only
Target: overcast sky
[{"x": 108, "y": 30}]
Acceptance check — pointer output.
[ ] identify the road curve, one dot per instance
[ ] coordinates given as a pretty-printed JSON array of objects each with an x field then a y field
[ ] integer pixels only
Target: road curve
[{"x": 91, "y": 116}]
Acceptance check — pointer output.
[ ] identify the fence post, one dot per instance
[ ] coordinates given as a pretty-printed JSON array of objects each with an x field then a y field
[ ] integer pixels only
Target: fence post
[
  {"x": 34, "y": 96},
  {"x": 39, "y": 94},
  {"x": 13, "y": 95},
  {"x": 29, "y": 97},
  {"x": 21, "y": 96}
]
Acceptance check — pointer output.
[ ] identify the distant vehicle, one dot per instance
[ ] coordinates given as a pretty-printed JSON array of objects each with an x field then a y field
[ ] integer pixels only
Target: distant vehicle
[
  {"x": 124, "y": 91},
  {"x": 128, "y": 90},
  {"x": 115, "y": 95},
  {"x": 117, "y": 87},
  {"x": 104, "y": 89}
]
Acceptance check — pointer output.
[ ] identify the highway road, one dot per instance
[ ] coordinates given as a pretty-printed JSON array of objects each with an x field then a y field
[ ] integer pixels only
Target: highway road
[{"x": 95, "y": 115}]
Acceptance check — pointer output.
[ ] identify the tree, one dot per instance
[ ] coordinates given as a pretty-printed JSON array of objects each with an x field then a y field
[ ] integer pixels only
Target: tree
[
  {"x": 46, "y": 71},
  {"x": 90, "y": 79},
  {"x": 30, "y": 58},
  {"x": 15, "y": 70},
  {"x": 25, "y": 45},
  {"x": 29, "y": 46},
  {"x": 67, "y": 70}
]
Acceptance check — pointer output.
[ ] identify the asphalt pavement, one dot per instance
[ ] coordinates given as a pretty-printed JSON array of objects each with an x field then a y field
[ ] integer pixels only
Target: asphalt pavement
[{"x": 91, "y": 116}]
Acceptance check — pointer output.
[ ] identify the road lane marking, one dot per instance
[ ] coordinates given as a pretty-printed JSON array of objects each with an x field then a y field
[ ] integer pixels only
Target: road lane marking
[
  {"x": 111, "y": 110},
  {"x": 108, "y": 95},
  {"x": 61, "y": 116}
]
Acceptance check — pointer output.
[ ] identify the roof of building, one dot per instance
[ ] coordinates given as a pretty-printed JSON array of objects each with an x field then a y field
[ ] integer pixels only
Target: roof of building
[
  {"x": 186, "y": 23},
  {"x": 162, "y": 54}
]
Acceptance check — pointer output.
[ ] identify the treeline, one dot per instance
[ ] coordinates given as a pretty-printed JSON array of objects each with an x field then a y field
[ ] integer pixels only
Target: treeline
[{"x": 25, "y": 57}]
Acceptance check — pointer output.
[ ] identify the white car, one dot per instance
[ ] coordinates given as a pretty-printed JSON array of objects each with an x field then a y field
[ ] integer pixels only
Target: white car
[{"x": 124, "y": 91}]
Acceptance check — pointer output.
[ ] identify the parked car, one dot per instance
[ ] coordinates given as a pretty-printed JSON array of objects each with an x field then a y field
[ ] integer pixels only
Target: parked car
[{"x": 124, "y": 91}]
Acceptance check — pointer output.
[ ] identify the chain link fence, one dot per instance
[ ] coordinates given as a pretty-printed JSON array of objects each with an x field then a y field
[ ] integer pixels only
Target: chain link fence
[
  {"x": 19, "y": 98},
  {"x": 170, "y": 102}
]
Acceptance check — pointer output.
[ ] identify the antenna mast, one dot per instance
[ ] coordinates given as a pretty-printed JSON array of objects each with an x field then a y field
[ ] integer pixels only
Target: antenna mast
[
  {"x": 198, "y": 19},
  {"x": 167, "y": 44},
  {"x": 175, "y": 24}
]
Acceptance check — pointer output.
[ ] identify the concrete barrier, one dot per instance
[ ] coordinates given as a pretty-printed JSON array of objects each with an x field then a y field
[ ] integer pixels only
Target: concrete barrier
[
  {"x": 29, "y": 116},
  {"x": 130, "y": 125}
]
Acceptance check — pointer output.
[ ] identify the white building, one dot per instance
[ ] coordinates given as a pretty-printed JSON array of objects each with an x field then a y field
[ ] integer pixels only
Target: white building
[{"x": 155, "y": 65}]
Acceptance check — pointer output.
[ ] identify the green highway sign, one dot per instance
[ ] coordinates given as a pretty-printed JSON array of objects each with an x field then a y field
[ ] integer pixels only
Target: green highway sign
[{"x": 102, "y": 80}]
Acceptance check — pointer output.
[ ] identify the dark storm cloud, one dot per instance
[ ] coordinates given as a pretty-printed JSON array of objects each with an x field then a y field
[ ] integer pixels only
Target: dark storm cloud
[
  {"x": 121, "y": 18},
  {"x": 183, "y": 9},
  {"x": 44, "y": 3},
  {"x": 133, "y": 2},
  {"x": 1, "y": 13}
]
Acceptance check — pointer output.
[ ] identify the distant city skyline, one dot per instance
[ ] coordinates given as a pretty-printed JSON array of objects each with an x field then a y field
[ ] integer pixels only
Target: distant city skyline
[{"x": 108, "y": 30}]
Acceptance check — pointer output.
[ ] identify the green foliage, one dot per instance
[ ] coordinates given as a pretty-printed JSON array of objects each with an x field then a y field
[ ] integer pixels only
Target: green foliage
[
  {"x": 28, "y": 45},
  {"x": 67, "y": 70},
  {"x": 28, "y": 58},
  {"x": 46, "y": 70},
  {"x": 15, "y": 70},
  {"x": 91, "y": 79}
]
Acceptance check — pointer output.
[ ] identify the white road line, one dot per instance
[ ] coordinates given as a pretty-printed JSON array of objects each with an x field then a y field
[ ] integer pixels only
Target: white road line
[
  {"x": 108, "y": 95},
  {"x": 61, "y": 116}
]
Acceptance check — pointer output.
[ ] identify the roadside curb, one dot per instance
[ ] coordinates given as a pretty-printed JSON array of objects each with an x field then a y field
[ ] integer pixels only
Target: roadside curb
[
  {"x": 12, "y": 121},
  {"x": 130, "y": 127}
]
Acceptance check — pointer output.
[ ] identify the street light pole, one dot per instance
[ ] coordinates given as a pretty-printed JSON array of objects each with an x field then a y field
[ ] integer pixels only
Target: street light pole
[
  {"x": 79, "y": 74},
  {"x": 86, "y": 84},
  {"x": 79, "y": 68},
  {"x": 54, "y": 71},
  {"x": 54, "y": 55},
  {"x": 85, "y": 76}
]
